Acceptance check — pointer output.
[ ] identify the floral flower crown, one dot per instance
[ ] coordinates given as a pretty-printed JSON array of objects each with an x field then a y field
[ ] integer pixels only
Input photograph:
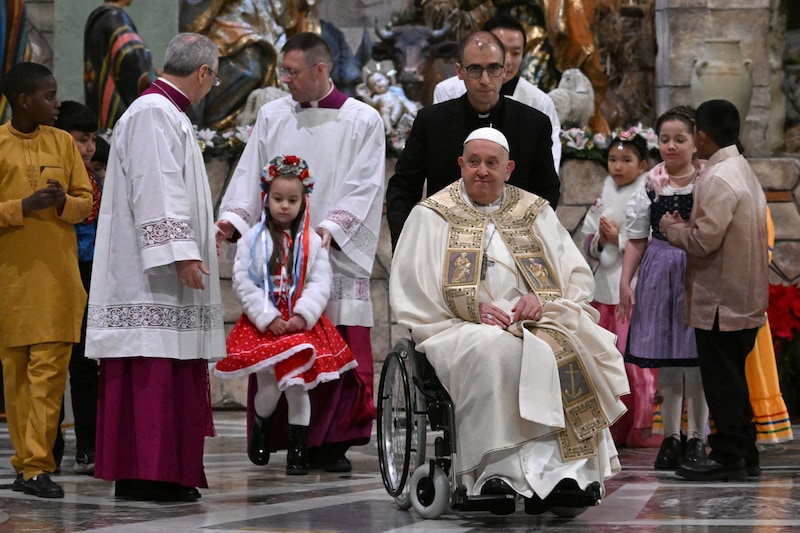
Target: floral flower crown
[{"x": 287, "y": 165}]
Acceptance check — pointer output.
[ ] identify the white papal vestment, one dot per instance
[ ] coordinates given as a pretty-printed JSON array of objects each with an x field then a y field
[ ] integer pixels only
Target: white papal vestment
[{"x": 507, "y": 389}]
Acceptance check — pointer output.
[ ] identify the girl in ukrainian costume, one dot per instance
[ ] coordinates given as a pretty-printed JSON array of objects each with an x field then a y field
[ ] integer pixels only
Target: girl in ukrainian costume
[
  {"x": 659, "y": 336},
  {"x": 282, "y": 276}
]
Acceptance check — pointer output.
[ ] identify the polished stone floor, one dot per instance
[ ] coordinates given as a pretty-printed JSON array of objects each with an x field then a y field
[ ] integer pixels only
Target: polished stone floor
[{"x": 243, "y": 497}]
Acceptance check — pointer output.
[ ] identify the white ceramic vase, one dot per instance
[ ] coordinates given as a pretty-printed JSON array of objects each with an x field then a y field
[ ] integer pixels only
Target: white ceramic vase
[{"x": 722, "y": 74}]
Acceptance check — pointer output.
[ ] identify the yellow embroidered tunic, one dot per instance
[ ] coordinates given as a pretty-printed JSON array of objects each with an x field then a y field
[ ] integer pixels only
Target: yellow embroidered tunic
[{"x": 40, "y": 287}]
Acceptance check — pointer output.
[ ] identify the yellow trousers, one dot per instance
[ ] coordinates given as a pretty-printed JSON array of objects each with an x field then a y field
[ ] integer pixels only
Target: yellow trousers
[{"x": 34, "y": 378}]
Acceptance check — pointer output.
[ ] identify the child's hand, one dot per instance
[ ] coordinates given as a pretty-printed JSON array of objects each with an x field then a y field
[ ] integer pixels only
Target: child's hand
[
  {"x": 627, "y": 299},
  {"x": 49, "y": 196},
  {"x": 668, "y": 220},
  {"x": 278, "y": 327},
  {"x": 609, "y": 232},
  {"x": 296, "y": 323}
]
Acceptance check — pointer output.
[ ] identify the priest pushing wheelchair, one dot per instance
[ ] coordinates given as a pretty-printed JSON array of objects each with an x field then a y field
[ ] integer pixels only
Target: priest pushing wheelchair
[{"x": 509, "y": 362}]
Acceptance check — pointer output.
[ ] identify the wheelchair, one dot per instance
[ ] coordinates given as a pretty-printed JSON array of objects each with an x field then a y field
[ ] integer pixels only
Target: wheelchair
[{"x": 411, "y": 399}]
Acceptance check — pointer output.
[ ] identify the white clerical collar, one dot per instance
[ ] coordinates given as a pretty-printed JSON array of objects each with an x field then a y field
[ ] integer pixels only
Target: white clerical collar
[
  {"x": 488, "y": 208},
  {"x": 315, "y": 103}
]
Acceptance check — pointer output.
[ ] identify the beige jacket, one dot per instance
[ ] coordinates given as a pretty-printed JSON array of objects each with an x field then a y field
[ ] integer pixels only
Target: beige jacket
[{"x": 726, "y": 242}]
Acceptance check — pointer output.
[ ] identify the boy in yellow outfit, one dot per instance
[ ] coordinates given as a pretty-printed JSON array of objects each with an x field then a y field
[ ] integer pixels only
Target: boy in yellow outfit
[{"x": 44, "y": 192}]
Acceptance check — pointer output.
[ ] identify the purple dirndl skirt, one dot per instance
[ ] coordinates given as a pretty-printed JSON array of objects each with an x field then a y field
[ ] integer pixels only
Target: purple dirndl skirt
[{"x": 659, "y": 335}]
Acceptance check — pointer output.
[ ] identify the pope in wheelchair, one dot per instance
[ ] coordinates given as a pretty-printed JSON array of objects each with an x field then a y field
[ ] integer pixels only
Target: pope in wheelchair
[{"x": 496, "y": 295}]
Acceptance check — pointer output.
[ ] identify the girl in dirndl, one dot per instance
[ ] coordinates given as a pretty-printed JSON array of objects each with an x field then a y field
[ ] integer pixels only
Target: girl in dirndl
[
  {"x": 659, "y": 337},
  {"x": 282, "y": 277}
]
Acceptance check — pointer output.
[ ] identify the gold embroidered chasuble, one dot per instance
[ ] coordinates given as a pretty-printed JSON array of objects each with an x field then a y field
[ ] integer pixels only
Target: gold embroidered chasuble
[{"x": 586, "y": 410}]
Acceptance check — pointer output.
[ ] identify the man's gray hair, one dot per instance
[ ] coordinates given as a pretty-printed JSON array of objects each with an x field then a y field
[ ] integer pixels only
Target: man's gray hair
[{"x": 187, "y": 52}]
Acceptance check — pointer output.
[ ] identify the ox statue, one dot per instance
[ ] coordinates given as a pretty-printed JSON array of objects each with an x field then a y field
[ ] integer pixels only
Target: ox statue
[{"x": 420, "y": 55}]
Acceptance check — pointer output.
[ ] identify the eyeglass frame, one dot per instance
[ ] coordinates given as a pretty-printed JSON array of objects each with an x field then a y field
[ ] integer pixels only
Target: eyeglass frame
[
  {"x": 292, "y": 72},
  {"x": 471, "y": 70},
  {"x": 217, "y": 80}
]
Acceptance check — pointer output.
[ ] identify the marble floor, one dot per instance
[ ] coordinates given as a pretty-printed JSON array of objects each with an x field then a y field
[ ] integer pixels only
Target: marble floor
[{"x": 243, "y": 497}]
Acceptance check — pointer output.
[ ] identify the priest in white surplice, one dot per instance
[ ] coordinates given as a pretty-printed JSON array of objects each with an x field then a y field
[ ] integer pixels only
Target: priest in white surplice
[
  {"x": 535, "y": 381},
  {"x": 155, "y": 313},
  {"x": 343, "y": 141}
]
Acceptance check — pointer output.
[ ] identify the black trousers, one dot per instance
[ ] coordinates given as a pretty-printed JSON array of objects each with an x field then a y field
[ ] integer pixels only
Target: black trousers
[
  {"x": 722, "y": 357},
  {"x": 83, "y": 383}
]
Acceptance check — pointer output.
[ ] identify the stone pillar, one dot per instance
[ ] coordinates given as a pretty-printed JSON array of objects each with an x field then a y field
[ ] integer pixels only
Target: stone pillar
[{"x": 681, "y": 29}]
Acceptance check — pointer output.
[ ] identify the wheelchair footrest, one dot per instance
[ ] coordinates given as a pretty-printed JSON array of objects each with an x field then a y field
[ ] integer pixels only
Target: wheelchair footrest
[{"x": 499, "y": 504}]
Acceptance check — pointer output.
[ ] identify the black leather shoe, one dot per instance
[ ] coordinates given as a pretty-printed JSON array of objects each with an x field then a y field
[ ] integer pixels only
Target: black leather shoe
[
  {"x": 122, "y": 488},
  {"x": 535, "y": 505},
  {"x": 19, "y": 483},
  {"x": 161, "y": 491},
  {"x": 497, "y": 487},
  {"x": 339, "y": 464},
  {"x": 334, "y": 457},
  {"x": 43, "y": 487},
  {"x": 669, "y": 455},
  {"x": 710, "y": 470},
  {"x": 258, "y": 446},
  {"x": 695, "y": 452},
  {"x": 752, "y": 464}
]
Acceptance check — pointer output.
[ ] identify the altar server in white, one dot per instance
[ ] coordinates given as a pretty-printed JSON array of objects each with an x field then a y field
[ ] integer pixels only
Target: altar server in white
[{"x": 343, "y": 140}]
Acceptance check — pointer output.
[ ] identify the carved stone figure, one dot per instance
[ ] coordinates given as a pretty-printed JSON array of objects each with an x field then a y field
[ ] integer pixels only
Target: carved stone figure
[{"x": 574, "y": 99}]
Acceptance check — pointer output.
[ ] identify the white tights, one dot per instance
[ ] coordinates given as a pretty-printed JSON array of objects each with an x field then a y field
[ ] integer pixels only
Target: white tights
[
  {"x": 677, "y": 384},
  {"x": 268, "y": 394}
]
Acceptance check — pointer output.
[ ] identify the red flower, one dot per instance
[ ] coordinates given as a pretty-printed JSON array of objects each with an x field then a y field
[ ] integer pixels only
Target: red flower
[
  {"x": 292, "y": 160},
  {"x": 784, "y": 313}
]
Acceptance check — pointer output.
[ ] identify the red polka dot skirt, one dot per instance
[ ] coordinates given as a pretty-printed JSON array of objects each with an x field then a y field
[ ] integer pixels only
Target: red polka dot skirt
[{"x": 304, "y": 358}]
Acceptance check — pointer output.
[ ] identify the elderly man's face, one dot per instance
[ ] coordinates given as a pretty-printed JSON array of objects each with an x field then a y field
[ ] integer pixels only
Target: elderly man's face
[
  {"x": 483, "y": 92},
  {"x": 485, "y": 168}
]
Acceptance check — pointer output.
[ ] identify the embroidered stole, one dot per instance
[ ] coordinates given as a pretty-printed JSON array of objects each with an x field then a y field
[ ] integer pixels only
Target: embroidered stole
[{"x": 460, "y": 286}]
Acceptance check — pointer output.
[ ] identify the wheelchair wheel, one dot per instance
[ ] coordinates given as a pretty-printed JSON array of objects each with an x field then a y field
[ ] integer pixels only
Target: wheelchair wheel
[
  {"x": 404, "y": 348},
  {"x": 430, "y": 495},
  {"x": 395, "y": 421}
]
